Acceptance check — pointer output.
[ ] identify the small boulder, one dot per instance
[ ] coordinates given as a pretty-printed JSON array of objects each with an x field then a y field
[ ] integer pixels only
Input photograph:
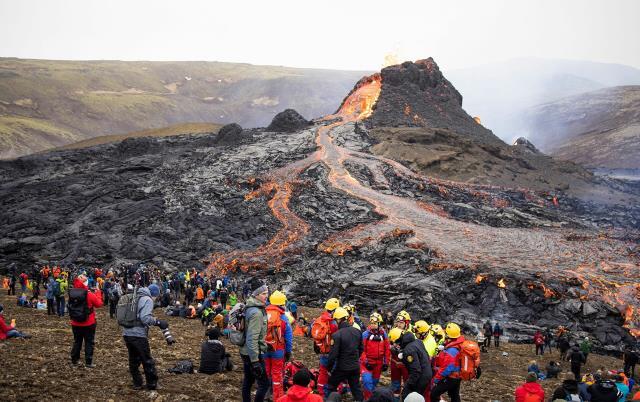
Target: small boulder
[
  {"x": 525, "y": 144},
  {"x": 230, "y": 134},
  {"x": 288, "y": 121}
]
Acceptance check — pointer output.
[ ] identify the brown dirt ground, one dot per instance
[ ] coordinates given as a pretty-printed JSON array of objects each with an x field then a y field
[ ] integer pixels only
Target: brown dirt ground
[{"x": 39, "y": 368}]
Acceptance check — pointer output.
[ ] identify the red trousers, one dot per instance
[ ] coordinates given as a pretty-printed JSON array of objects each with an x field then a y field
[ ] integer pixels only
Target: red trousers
[
  {"x": 399, "y": 375},
  {"x": 323, "y": 374},
  {"x": 275, "y": 372}
]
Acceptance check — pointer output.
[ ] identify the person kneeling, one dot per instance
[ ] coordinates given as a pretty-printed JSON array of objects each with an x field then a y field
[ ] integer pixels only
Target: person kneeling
[
  {"x": 213, "y": 358},
  {"x": 300, "y": 390}
]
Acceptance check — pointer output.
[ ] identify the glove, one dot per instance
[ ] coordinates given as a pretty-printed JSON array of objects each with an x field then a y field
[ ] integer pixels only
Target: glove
[
  {"x": 162, "y": 324},
  {"x": 369, "y": 366},
  {"x": 257, "y": 370},
  {"x": 287, "y": 356},
  {"x": 385, "y": 367}
]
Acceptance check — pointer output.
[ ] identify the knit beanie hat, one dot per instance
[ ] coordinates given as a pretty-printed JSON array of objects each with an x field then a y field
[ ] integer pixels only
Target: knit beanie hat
[
  {"x": 257, "y": 287},
  {"x": 532, "y": 377}
]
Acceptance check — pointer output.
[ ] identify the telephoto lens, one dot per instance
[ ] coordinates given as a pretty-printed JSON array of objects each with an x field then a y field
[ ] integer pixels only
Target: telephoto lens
[{"x": 168, "y": 337}]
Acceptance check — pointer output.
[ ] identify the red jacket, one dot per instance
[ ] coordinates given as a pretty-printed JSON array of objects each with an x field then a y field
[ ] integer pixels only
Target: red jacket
[
  {"x": 375, "y": 347},
  {"x": 298, "y": 393},
  {"x": 538, "y": 339},
  {"x": 94, "y": 300},
  {"x": 448, "y": 364},
  {"x": 529, "y": 388},
  {"x": 4, "y": 328}
]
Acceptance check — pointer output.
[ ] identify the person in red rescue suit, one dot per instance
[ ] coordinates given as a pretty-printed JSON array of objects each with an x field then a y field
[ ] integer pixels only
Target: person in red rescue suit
[
  {"x": 376, "y": 356},
  {"x": 399, "y": 373},
  {"x": 279, "y": 342},
  {"x": 327, "y": 317},
  {"x": 447, "y": 366},
  {"x": 85, "y": 330}
]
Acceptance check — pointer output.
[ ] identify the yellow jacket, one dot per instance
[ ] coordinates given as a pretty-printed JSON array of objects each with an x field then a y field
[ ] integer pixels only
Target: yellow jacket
[{"x": 430, "y": 345}]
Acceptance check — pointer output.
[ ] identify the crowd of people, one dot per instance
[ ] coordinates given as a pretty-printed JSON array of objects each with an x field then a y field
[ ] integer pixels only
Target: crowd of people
[{"x": 425, "y": 361}]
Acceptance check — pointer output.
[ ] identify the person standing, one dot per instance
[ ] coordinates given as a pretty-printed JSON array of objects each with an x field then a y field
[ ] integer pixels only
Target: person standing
[
  {"x": 59, "y": 292},
  {"x": 12, "y": 285},
  {"x": 51, "y": 308},
  {"x": 585, "y": 348},
  {"x": 416, "y": 359},
  {"x": 279, "y": 340},
  {"x": 254, "y": 348},
  {"x": 538, "y": 340},
  {"x": 115, "y": 293},
  {"x": 497, "y": 333},
  {"x": 577, "y": 359},
  {"x": 399, "y": 373},
  {"x": 321, "y": 330},
  {"x": 447, "y": 377},
  {"x": 344, "y": 356},
  {"x": 548, "y": 336},
  {"x": 136, "y": 331},
  {"x": 487, "y": 330},
  {"x": 630, "y": 359},
  {"x": 376, "y": 356},
  {"x": 82, "y": 305}
]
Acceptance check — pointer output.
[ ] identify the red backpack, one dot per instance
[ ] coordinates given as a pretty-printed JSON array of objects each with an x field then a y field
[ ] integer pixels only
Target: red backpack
[
  {"x": 274, "y": 337},
  {"x": 469, "y": 360}
]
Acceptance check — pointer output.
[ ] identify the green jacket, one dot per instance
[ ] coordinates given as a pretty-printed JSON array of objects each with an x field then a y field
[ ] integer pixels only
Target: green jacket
[
  {"x": 585, "y": 347},
  {"x": 430, "y": 345},
  {"x": 256, "y": 330},
  {"x": 233, "y": 300},
  {"x": 63, "y": 285}
]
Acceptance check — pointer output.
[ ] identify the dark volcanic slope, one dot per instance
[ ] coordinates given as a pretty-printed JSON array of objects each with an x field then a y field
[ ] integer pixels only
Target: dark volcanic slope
[{"x": 595, "y": 129}]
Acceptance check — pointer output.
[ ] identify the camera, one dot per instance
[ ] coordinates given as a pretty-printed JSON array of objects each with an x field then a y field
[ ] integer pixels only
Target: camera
[{"x": 168, "y": 337}]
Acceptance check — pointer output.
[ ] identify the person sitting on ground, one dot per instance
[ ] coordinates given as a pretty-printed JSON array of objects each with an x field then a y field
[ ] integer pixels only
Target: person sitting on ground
[
  {"x": 583, "y": 386},
  {"x": 622, "y": 387},
  {"x": 23, "y": 301},
  {"x": 568, "y": 389},
  {"x": 213, "y": 357},
  {"x": 604, "y": 390},
  {"x": 553, "y": 369},
  {"x": 530, "y": 390},
  {"x": 10, "y": 331},
  {"x": 533, "y": 367},
  {"x": 300, "y": 391}
]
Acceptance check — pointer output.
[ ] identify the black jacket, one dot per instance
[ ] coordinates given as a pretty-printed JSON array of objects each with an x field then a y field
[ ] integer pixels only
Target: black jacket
[
  {"x": 416, "y": 360},
  {"x": 211, "y": 356},
  {"x": 604, "y": 391},
  {"x": 568, "y": 387},
  {"x": 346, "y": 348},
  {"x": 576, "y": 357}
]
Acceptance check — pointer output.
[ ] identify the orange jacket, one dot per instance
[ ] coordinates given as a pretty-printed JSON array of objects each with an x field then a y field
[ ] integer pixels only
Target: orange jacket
[{"x": 199, "y": 294}]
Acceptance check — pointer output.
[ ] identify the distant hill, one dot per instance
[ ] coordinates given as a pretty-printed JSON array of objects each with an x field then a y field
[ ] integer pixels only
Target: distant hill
[
  {"x": 499, "y": 93},
  {"x": 178, "y": 129},
  {"x": 46, "y": 104},
  {"x": 599, "y": 129}
]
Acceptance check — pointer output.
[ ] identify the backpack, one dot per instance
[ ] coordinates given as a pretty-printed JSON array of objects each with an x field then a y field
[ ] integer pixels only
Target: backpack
[
  {"x": 182, "y": 367},
  {"x": 57, "y": 289},
  {"x": 321, "y": 334},
  {"x": 274, "y": 337},
  {"x": 78, "y": 305},
  {"x": 236, "y": 325},
  {"x": 469, "y": 359},
  {"x": 573, "y": 397},
  {"x": 127, "y": 311}
]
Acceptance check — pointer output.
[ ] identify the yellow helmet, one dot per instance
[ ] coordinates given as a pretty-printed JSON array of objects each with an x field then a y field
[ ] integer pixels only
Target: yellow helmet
[
  {"x": 375, "y": 318},
  {"x": 395, "y": 334},
  {"x": 437, "y": 329},
  {"x": 453, "y": 330},
  {"x": 340, "y": 313},
  {"x": 332, "y": 304},
  {"x": 403, "y": 316},
  {"x": 278, "y": 298},
  {"x": 422, "y": 327}
]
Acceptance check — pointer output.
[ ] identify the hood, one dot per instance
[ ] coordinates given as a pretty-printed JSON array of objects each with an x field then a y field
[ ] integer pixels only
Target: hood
[
  {"x": 77, "y": 283},
  {"x": 406, "y": 339},
  {"x": 532, "y": 387},
  {"x": 253, "y": 302},
  {"x": 298, "y": 393},
  {"x": 570, "y": 386},
  {"x": 272, "y": 307},
  {"x": 144, "y": 292},
  {"x": 455, "y": 342}
]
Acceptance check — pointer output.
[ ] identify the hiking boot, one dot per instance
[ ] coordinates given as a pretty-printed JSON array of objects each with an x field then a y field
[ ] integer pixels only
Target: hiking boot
[
  {"x": 137, "y": 387},
  {"x": 90, "y": 365},
  {"x": 152, "y": 387},
  {"x": 75, "y": 363}
]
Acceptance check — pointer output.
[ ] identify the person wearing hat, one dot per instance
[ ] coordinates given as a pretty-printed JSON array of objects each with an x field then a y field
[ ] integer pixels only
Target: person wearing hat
[
  {"x": 447, "y": 376},
  {"x": 399, "y": 372},
  {"x": 82, "y": 305},
  {"x": 9, "y": 331},
  {"x": 279, "y": 342},
  {"x": 321, "y": 330},
  {"x": 254, "y": 348},
  {"x": 300, "y": 391},
  {"x": 376, "y": 356},
  {"x": 213, "y": 357},
  {"x": 136, "y": 337},
  {"x": 414, "y": 357},
  {"x": 530, "y": 390},
  {"x": 344, "y": 357}
]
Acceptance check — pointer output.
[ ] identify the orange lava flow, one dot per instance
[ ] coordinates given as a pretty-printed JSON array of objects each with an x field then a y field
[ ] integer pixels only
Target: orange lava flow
[{"x": 457, "y": 244}]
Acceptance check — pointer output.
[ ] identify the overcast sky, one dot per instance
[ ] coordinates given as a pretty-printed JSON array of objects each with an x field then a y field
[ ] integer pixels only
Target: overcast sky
[{"x": 340, "y": 34}]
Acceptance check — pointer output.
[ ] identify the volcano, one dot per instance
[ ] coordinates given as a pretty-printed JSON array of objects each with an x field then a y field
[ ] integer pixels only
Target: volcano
[{"x": 320, "y": 211}]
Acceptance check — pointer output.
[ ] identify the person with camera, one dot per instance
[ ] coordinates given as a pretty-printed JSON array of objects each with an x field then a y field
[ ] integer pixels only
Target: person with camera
[
  {"x": 82, "y": 304},
  {"x": 135, "y": 315}
]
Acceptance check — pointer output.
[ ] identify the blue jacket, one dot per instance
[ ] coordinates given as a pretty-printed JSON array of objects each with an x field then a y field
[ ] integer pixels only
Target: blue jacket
[{"x": 50, "y": 285}]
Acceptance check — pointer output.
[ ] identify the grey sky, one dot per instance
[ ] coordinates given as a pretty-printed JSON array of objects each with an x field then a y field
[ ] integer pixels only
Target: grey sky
[{"x": 330, "y": 34}]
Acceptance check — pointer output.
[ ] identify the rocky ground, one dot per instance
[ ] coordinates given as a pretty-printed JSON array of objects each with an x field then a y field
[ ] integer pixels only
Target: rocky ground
[{"x": 39, "y": 368}]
